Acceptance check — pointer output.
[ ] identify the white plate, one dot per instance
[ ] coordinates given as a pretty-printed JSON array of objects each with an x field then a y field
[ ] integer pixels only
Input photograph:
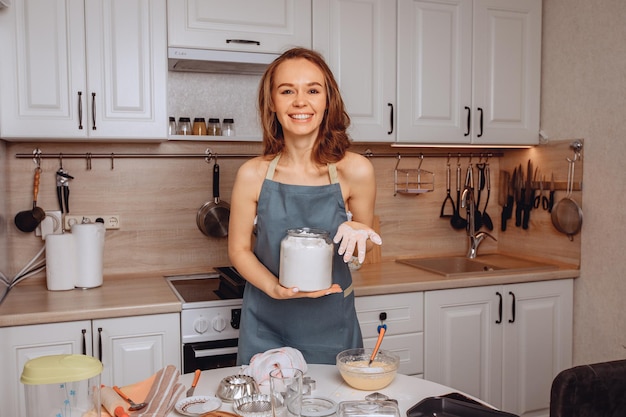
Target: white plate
[{"x": 198, "y": 405}]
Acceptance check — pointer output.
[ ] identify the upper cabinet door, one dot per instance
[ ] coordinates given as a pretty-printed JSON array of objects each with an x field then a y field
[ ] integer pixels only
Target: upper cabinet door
[
  {"x": 42, "y": 76},
  {"x": 358, "y": 41},
  {"x": 434, "y": 71},
  {"x": 76, "y": 69},
  {"x": 507, "y": 71},
  {"x": 127, "y": 68},
  {"x": 268, "y": 26}
]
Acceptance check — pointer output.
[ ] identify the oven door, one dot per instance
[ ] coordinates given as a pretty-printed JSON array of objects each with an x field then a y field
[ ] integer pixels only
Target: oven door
[{"x": 209, "y": 355}]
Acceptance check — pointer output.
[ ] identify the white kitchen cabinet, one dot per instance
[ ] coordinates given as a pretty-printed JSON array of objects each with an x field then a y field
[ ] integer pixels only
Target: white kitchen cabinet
[
  {"x": 270, "y": 26},
  {"x": 83, "y": 69},
  {"x": 469, "y": 71},
  {"x": 404, "y": 316},
  {"x": 133, "y": 348},
  {"x": 358, "y": 41},
  {"x": 502, "y": 344}
]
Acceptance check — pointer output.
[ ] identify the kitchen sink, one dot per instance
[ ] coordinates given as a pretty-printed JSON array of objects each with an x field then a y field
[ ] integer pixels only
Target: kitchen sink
[{"x": 455, "y": 266}]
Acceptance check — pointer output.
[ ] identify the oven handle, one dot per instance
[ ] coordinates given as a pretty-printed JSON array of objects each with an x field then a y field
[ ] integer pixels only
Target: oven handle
[{"x": 203, "y": 353}]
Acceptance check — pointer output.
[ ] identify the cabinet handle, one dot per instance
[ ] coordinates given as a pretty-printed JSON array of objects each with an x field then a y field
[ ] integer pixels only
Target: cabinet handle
[
  {"x": 243, "y": 41},
  {"x": 390, "y": 118},
  {"x": 100, "y": 343},
  {"x": 469, "y": 120},
  {"x": 481, "y": 122},
  {"x": 499, "y": 308},
  {"x": 512, "y": 319},
  {"x": 93, "y": 110},
  {"x": 80, "y": 110},
  {"x": 84, "y": 332}
]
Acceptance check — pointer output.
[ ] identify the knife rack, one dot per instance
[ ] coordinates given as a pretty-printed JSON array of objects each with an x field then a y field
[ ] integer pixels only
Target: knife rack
[{"x": 412, "y": 181}]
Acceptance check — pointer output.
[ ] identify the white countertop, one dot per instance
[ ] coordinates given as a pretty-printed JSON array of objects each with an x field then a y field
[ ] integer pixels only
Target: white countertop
[{"x": 407, "y": 390}]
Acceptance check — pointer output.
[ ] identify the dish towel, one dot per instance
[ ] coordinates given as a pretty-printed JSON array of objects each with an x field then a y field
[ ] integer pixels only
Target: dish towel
[
  {"x": 161, "y": 391},
  {"x": 262, "y": 364}
]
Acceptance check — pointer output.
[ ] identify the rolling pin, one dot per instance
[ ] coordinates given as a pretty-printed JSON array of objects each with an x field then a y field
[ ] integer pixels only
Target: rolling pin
[{"x": 112, "y": 402}]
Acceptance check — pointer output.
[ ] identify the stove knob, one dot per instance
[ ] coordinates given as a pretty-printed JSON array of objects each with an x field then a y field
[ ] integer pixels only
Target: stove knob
[
  {"x": 201, "y": 325},
  {"x": 219, "y": 324}
]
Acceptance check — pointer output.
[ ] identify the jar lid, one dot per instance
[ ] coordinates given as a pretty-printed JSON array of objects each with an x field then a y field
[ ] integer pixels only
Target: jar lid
[
  {"x": 229, "y": 120},
  {"x": 214, "y": 120},
  {"x": 55, "y": 369},
  {"x": 199, "y": 119},
  {"x": 184, "y": 119}
]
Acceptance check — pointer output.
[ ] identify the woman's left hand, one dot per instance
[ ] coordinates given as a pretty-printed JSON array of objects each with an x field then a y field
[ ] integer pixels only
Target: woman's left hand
[{"x": 354, "y": 235}]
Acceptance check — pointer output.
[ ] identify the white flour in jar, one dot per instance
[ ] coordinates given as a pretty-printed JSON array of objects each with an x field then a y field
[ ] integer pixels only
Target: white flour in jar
[{"x": 306, "y": 259}]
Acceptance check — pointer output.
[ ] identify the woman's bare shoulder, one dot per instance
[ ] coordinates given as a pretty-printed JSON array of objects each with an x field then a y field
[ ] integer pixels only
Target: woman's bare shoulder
[
  {"x": 253, "y": 169},
  {"x": 355, "y": 166}
]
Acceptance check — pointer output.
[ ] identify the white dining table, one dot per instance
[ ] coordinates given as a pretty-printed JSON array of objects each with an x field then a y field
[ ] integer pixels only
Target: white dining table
[{"x": 407, "y": 390}]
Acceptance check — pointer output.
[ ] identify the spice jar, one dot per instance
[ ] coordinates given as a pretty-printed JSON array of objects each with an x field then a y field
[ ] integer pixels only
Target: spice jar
[
  {"x": 306, "y": 259},
  {"x": 172, "y": 126},
  {"x": 228, "y": 127},
  {"x": 184, "y": 126},
  {"x": 214, "y": 128},
  {"x": 199, "y": 126}
]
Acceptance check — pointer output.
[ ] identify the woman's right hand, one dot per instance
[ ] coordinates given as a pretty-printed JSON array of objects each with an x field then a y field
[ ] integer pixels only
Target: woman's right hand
[{"x": 285, "y": 293}]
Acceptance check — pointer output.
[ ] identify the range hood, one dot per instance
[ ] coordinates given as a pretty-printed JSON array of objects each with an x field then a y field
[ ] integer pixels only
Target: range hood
[{"x": 221, "y": 62}]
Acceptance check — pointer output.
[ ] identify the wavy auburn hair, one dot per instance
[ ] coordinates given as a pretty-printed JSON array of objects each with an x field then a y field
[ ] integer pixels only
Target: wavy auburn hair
[{"x": 332, "y": 141}]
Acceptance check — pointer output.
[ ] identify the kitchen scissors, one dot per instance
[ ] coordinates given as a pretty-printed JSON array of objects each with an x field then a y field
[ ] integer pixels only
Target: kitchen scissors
[
  {"x": 541, "y": 199},
  {"x": 63, "y": 189}
]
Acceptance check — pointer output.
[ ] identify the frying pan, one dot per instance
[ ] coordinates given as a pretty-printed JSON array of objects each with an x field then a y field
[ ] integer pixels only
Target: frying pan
[
  {"x": 28, "y": 220},
  {"x": 567, "y": 216},
  {"x": 212, "y": 218}
]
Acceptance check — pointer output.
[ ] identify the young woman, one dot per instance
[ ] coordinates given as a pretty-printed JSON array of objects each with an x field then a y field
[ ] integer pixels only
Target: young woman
[{"x": 305, "y": 178}]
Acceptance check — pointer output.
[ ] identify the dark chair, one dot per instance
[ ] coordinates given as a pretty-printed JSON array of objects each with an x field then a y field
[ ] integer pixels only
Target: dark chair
[{"x": 597, "y": 390}]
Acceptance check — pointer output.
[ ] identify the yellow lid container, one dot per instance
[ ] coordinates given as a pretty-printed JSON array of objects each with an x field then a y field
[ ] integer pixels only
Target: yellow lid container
[{"x": 56, "y": 369}]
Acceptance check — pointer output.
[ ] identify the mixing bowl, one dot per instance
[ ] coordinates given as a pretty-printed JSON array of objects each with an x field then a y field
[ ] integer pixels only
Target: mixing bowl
[{"x": 353, "y": 364}]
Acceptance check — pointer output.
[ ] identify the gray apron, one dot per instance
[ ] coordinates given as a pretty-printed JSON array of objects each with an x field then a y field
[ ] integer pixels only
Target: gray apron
[{"x": 319, "y": 328}]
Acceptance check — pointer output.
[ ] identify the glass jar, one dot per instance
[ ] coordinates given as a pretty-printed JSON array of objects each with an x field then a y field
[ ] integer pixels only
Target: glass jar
[
  {"x": 214, "y": 128},
  {"x": 172, "y": 126},
  {"x": 306, "y": 259},
  {"x": 228, "y": 127},
  {"x": 184, "y": 126},
  {"x": 199, "y": 126}
]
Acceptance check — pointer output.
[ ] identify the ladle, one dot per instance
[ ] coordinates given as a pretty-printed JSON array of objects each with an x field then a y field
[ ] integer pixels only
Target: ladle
[
  {"x": 448, "y": 197},
  {"x": 133, "y": 405},
  {"x": 486, "y": 218},
  {"x": 28, "y": 220}
]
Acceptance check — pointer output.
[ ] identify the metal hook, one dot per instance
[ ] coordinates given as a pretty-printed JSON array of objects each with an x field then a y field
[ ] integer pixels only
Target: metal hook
[
  {"x": 37, "y": 157},
  {"x": 209, "y": 155},
  {"x": 88, "y": 157},
  {"x": 421, "y": 160},
  {"x": 112, "y": 161},
  {"x": 60, "y": 160}
]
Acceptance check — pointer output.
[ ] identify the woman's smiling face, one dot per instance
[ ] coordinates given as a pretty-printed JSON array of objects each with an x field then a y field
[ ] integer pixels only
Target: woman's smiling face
[{"x": 299, "y": 97}]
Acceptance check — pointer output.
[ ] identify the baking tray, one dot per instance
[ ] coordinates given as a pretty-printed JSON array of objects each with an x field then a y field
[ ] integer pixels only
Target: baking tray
[{"x": 450, "y": 407}]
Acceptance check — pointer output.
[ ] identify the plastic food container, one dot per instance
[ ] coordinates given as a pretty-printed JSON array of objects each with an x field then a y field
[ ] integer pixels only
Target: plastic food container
[
  {"x": 62, "y": 386},
  {"x": 368, "y": 409},
  {"x": 306, "y": 259}
]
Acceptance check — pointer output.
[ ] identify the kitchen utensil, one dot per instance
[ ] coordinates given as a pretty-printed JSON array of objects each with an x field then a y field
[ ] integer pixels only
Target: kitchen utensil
[
  {"x": 551, "y": 194},
  {"x": 487, "y": 222},
  {"x": 529, "y": 195},
  {"x": 505, "y": 198},
  {"x": 212, "y": 218},
  {"x": 133, "y": 405},
  {"x": 456, "y": 221},
  {"x": 257, "y": 405},
  {"x": 541, "y": 200},
  {"x": 381, "y": 333},
  {"x": 478, "y": 217},
  {"x": 519, "y": 195},
  {"x": 448, "y": 197},
  {"x": 234, "y": 387},
  {"x": 28, "y": 220},
  {"x": 194, "y": 383},
  {"x": 567, "y": 215},
  {"x": 63, "y": 189}
]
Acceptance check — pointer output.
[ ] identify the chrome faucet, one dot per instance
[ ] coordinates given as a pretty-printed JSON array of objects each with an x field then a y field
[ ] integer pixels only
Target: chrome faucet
[{"x": 474, "y": 238}]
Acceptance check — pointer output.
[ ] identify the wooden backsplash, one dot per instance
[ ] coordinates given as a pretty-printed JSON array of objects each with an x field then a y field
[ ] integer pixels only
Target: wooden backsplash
[{"x": 157, "y": 200}]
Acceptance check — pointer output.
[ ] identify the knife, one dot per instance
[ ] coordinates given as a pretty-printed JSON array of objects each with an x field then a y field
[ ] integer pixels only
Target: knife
[
  {"x": 503, "y": 197},
  {"x": 194, "y": 383},
  {"x": 529, "y": 195},
  {"x": 551, "y": 195},
  {"x": 519, "y": 196}
]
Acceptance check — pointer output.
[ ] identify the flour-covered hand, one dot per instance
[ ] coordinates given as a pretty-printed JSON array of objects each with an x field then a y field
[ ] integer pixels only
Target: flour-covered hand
[{"x": 351, "y": 238}]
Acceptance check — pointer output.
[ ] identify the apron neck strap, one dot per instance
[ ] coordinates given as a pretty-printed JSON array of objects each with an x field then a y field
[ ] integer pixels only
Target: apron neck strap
[{"x": 332, "y": 170}]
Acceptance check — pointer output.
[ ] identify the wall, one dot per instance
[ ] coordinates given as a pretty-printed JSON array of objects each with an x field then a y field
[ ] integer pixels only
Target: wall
[
  {"x": 584, "y": 95},
  {"x": 4, "y": 254}
]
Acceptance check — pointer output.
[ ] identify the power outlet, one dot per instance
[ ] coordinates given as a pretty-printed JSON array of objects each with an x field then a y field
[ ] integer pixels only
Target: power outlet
[
  {"x": 50, "y": 225},
  {"x": 110, "y": 221}
]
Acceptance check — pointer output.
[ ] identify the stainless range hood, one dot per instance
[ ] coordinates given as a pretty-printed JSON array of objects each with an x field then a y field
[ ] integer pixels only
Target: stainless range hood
[{"x": 221, "y": 62}]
